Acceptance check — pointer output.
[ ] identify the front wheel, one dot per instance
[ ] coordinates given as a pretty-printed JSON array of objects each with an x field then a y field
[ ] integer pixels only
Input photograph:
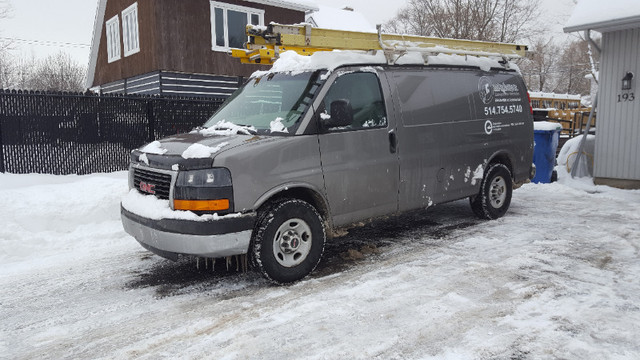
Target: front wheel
[
  {"x": 288, "y": 240},
  {"x": 494, "y": 197}
]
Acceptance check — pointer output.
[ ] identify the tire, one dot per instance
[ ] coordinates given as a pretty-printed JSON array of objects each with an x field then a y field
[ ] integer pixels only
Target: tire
[
  {"x": 288, "y": 240},
  {"x": 494, "y": 197}
]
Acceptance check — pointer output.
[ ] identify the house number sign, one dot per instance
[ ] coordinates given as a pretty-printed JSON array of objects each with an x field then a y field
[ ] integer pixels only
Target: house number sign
[{"x": 626, "y": 97}]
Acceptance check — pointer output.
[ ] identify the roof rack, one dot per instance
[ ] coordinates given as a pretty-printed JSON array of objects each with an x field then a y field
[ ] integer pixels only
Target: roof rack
[{"x": 266, "y": 43}]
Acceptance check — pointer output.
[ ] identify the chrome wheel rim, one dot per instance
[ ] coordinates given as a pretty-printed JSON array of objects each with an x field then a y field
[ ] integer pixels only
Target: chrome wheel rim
[
  {"x": 498, "y": 192},
  {"x": 292, "y": 242}
]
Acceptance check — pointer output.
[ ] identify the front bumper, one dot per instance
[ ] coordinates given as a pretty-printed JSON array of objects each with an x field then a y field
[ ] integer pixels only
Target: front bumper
[{"x": 225, "y": 236}]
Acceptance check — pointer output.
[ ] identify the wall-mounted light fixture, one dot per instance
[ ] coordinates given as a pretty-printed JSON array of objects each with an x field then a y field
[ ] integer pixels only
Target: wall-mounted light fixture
[{"x": 626, "y": 81}]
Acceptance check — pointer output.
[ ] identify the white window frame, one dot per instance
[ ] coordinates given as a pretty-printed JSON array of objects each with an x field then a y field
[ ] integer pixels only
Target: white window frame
[
  {"x": 130, "y": 30},
  {"x": 225, "y": 8},
  {"x": 113, "y": 39}
]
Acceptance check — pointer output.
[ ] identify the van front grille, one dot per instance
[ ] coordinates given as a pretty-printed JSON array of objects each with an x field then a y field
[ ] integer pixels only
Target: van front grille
[{"x": 152, "y": 182}]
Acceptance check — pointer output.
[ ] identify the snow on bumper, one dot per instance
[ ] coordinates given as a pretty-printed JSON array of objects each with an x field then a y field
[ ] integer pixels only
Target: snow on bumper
[{"x": 206, "y": 236}]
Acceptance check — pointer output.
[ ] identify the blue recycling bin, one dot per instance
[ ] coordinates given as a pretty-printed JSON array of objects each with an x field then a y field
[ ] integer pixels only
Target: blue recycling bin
[{"x": 544, "y": 154}]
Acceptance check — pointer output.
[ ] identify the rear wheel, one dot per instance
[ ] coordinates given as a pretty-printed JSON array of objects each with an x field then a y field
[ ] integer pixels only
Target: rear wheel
[
  {"x": 288, "y": 240},
  {"x": 494, "y": 197}
]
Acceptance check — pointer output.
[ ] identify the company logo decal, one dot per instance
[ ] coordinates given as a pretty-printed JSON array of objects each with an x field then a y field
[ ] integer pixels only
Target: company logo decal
[
  {"x": 488, "y": 127},
  {"x": 485, "y": 87},
  {"x": 148, "y": 188}
]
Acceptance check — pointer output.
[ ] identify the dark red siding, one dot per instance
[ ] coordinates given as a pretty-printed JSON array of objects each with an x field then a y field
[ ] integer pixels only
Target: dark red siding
[{"x": 176, "y": 36}]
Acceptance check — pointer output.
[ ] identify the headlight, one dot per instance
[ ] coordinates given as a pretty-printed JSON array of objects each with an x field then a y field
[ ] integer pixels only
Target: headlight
[
  {"x": 204, "y": 191},
  {"x": 216, "y": 177}
]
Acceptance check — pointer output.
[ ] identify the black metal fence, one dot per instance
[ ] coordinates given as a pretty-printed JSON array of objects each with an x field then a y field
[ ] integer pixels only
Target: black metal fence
[{"x": 63, "y": 133}]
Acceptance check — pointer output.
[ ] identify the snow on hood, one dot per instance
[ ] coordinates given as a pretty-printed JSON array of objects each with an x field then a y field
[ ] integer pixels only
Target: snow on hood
[
  {"x": 192, "y": 145},
  {"x": 202, "y": 151}
]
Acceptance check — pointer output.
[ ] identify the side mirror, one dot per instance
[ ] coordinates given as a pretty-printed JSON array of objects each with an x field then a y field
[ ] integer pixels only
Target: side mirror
[{"x": 341, "y": 114}]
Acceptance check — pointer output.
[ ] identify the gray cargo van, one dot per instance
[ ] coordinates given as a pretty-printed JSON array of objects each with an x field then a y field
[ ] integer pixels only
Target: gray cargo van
[{"x": 292, "y": 156}]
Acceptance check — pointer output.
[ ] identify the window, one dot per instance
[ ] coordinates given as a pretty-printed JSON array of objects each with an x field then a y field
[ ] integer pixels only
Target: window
[
  {"x": 273, "y": 104},
  {"x": 130, "y": 32},
  {"x": 228, "y": 24},
  {"x": 362, "y": 89},
  {"x": 113, "y": 39}
]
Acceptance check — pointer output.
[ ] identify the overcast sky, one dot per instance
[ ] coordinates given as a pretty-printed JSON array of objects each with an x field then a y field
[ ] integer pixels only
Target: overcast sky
[{"x": 42, "y": 27}]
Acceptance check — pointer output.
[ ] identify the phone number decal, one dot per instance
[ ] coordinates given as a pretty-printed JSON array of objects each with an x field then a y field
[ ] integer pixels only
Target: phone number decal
[{"x": 502, "y": 110}]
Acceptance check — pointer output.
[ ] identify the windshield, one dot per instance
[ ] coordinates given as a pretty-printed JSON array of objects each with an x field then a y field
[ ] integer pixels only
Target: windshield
[{"x": 272, "y": 104}]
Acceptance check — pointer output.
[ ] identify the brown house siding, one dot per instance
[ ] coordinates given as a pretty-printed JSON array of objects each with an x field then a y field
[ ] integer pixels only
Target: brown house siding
[
  {"x": 176, "y": 36},
  {"x": 136, "y": 64}
]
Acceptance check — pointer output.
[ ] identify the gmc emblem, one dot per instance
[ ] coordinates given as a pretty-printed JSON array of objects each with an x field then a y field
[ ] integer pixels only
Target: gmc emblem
[{"x": 147, "y": 188}]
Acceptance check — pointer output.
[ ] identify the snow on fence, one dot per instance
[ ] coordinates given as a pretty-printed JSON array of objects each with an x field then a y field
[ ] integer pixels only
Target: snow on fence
[{"x": 82, "y": 133}]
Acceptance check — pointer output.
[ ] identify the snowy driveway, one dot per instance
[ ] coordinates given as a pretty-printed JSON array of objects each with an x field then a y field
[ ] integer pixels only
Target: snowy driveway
[{"x": 558, "y": 277}]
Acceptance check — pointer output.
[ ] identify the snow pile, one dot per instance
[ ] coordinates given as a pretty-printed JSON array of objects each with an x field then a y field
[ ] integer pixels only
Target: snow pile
[
  {"x": 151, "y": 207},
  {"x": 226, "y": 128},
  {"x": 484, "y": 63},
  {"x": 294, "y": 63},
  {"x": 47, "y": 216},
  {"x": 202, "y": 151},
  {"x": 568, "y": 155},
  {"x": 277, "y": 126},
  {"x": 538, "y": 94},
  {"x": 556, "y": 278},
  {"x": 154, "y": 147},
  {"x": 546, "y": 126}
]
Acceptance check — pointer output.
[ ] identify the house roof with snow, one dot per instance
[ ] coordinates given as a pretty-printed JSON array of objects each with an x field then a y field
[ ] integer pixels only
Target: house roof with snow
[
  {"x": 604, "y": 16},
  {"x": 340, "y": 19}
]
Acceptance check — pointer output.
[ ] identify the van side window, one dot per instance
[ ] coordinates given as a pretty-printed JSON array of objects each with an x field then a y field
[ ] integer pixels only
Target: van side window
[
  {"x": 430, "y": 97},
  {"x": 362, "y": 90}
]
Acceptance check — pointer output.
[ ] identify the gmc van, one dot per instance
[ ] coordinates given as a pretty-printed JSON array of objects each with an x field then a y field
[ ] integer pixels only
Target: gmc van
[{"x": 303, "y": 150}]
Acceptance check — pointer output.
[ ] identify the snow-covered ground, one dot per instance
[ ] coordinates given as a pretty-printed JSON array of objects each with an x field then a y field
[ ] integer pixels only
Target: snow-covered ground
[{"x": 557, "y": 277}]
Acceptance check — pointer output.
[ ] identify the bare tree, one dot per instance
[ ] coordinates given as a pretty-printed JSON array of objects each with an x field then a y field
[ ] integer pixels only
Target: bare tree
[
  {"x": 7, "y": 71},
  {"x": 5, "y": 12},
  {"x": 489, "y": 20},
  {"x": 57, "y": 72},
  {"x": 6, "y": 67},
  {"x": 573, "y": 66},
  {"x": 539, "y": 68}
]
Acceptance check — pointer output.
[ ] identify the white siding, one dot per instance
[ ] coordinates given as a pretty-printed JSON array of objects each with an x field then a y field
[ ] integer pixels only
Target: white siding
[{"x": 617, "y": 153}]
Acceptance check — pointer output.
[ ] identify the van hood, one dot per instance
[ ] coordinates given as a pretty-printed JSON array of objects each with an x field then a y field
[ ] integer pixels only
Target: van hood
[{"x": 190, "y": 151}]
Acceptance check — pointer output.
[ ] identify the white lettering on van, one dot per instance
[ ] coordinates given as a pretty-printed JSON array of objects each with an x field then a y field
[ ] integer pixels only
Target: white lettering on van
[
  {"x": 503, "y": 110},
  {"x": 505, "y": 88}
]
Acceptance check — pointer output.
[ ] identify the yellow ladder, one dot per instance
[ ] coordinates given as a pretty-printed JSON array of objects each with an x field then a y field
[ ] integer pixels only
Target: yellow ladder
[{"x": 266, "y": 43}]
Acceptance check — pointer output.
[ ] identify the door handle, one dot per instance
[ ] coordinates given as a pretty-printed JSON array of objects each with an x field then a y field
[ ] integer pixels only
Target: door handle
[{"x": 393, "y": 142}]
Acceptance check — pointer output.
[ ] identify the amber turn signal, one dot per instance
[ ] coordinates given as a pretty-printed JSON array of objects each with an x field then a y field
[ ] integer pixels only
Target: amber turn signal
[{"x": 201, "y": 205}]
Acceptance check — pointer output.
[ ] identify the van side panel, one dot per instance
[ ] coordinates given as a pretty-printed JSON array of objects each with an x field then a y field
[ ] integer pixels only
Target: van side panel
[
  {"x": 452, "y": 123},
  {"x": 429, "y": 101},
  {"x": 501, "y": 104},
  {"x": 260, "y": 167}
]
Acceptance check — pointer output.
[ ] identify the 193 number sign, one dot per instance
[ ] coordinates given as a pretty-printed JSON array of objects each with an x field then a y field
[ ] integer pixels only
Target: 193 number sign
[{"x": 626, "y": 97}]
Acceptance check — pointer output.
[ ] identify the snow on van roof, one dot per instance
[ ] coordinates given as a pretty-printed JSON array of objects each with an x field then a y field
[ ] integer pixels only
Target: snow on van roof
[{"x": 294, "y": 63}]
